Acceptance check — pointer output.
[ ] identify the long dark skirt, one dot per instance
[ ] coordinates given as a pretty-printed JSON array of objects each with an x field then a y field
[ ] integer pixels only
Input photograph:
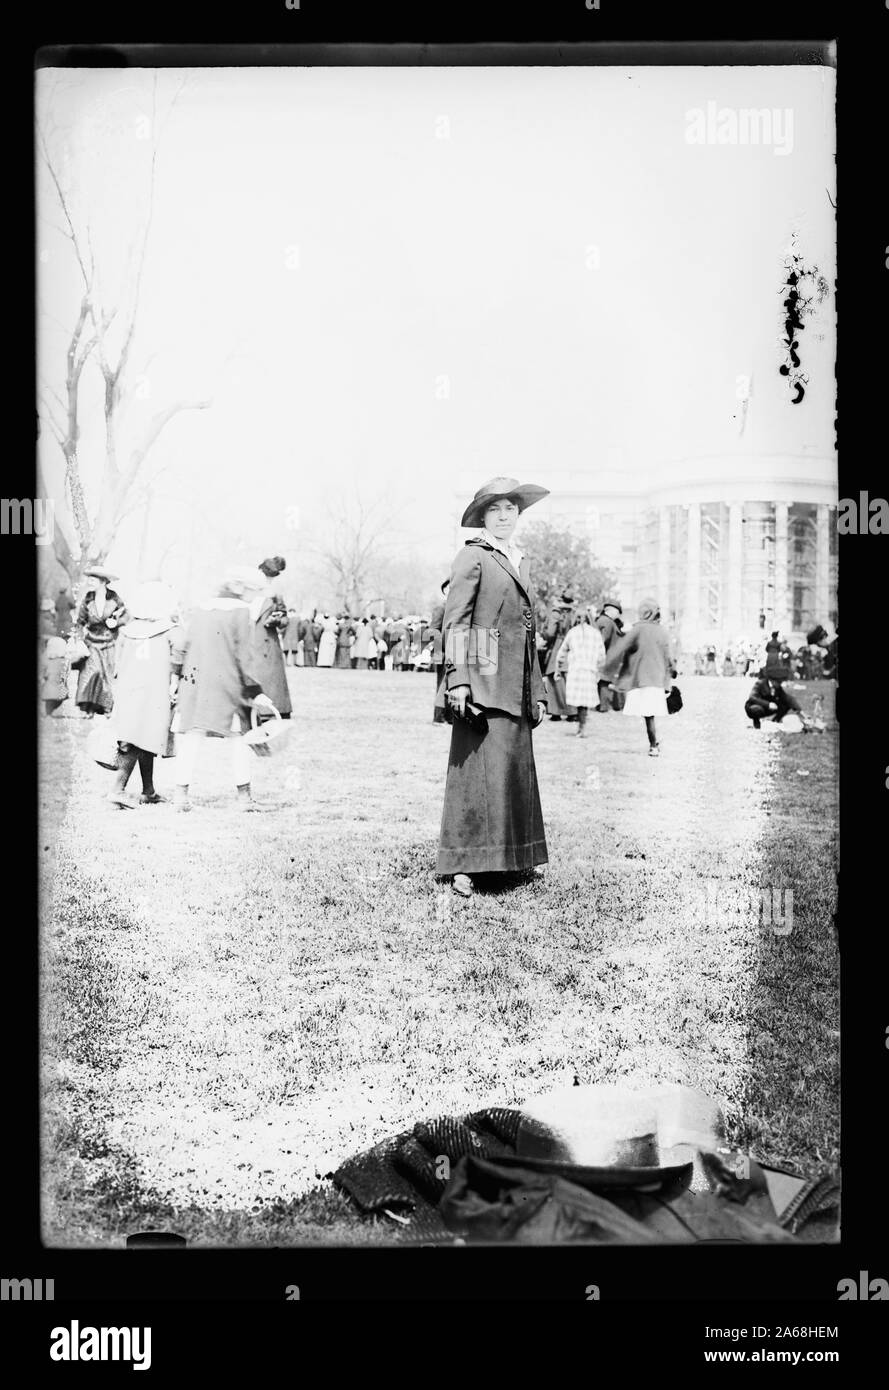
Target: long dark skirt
[
  {"x": 342, "y": 661},
  {"x": 94, "y": 682},
  {"x": 492, "y": 821},
  {"x": 555, "y": 695}
]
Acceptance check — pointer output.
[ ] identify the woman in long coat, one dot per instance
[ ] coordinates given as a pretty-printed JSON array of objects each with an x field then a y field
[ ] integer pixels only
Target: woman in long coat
[
  {"x": 582, "y": 656},
  {"x": 310, "y": 635},
  {"x": 361, "y": 645},
  {"x": 327, "y": 641},
  {"x": 290, "y": 638},
  {"x": 101, "y": 615},
  {"x": 492, "y": 820},
  {"x": 557, "y": 628},
  {"x": 216, "y": 683},
  {"x": 142, "y": 702},
  {"x": 269, "y": 613},
  {"x": 642, "y": 665},
  {"x": 344, "y": 634}
]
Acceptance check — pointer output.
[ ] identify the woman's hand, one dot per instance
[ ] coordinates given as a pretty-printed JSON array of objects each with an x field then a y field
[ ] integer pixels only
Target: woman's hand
[
  {"x": 457, "y": 697},
  {"x": 541, "y": 713},
  {"x": 262, "y": 702}
]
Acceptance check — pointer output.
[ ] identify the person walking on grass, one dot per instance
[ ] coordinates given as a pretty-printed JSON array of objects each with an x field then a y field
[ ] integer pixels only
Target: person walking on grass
[
  {"x": 142, "y": 692},
  {"x": 558, "y": 625},
  {"x": 492, "y": 820},
  {"x": 216, "y": 685},
  {"x": 581, "y": 657},
  {"x": 100, "y": 617},
  {"x": 610, "y": 625},
  {"x": 269, "y": 614},
  {"x": 642, "y": 665}
]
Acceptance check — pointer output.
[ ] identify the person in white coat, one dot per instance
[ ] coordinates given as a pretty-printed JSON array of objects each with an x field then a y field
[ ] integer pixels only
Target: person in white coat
[
  {"x": 580, "y": 659},
  {"x": 327, "y": 644}
]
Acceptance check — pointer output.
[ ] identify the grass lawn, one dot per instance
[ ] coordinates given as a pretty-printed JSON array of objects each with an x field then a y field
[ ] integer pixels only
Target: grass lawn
[{"x": 232, "y": 1004}]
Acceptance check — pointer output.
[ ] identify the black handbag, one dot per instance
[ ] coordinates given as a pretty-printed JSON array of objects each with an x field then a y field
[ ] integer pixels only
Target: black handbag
[
  {"x": 474, "y": 715},
  {"x": 674, "y": 700}
]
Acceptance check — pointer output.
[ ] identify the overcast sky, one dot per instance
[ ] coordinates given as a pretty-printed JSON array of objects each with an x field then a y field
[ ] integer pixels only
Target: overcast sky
[{"x": 393, "y": 278}]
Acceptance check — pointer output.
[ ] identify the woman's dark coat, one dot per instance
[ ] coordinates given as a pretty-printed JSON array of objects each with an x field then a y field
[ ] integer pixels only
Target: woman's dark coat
[
  {"x": 641, "y": 659},
  {"x": 488, "y": 630},
  {"x": 268, "y": 659},
  {"x": 492, "y": 819}
]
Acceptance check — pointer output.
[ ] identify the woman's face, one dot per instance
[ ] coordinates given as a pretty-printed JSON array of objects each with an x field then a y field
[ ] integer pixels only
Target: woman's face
[{"x": 500, "y": 518}]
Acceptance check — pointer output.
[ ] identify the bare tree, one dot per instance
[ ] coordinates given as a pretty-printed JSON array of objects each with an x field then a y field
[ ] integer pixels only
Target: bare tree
[
  {"x": 90, "y": 342},
  {"x": 354, "y": 541}
]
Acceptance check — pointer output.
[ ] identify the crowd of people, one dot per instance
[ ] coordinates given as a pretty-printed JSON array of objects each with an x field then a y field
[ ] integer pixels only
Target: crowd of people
[
  {"x": 224, "y": 668},
  {"x": 746, "y": 657}
]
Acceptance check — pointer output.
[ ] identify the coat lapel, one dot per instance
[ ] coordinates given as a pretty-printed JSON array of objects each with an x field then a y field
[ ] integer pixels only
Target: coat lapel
[{"x": 522, "y": 578}]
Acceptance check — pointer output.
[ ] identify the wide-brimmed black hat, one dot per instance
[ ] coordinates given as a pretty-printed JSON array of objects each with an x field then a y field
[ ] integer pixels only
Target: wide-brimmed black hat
[
  {"x": 612, "y": 603},
  {"x": 523, "y": 494}
]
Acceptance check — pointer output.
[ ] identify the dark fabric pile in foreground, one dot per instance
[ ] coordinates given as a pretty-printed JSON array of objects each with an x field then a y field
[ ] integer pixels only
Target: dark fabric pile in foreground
[{"x": 461, "y": 1177}]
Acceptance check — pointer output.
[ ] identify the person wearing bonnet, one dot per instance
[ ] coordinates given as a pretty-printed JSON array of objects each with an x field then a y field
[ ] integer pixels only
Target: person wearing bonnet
[
  {"x": 100, "y": 617},
  {"x": 269, "y": 614},
  {"x": 642, "y": 665},
  {"x": 215, "y": 682},
  {"x": 142, "y": 698},
  {"x": 492, "y": 820}
]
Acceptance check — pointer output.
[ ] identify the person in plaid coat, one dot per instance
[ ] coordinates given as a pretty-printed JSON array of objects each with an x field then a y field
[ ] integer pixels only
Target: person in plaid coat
[{"x": 581, "y": 655}]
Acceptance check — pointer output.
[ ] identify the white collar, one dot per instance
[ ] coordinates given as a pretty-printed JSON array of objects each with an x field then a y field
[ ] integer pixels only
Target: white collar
[{"x": 509, "y": 549}]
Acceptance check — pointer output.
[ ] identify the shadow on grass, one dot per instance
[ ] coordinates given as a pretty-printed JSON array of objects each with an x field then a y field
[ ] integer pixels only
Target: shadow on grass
[{"x": 792, "y": 1094}]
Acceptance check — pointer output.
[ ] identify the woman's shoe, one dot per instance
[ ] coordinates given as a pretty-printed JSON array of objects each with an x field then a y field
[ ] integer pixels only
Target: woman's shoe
[
  {"x": 152, "y": 798},
  {"x": 463, "y": 885},
  {"x": 654, "y": 751},
  {"x": 125, "y": 800}
]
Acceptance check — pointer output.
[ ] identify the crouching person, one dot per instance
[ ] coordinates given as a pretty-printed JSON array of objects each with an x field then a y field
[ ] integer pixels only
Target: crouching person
[{"x": 769, "y": 700}]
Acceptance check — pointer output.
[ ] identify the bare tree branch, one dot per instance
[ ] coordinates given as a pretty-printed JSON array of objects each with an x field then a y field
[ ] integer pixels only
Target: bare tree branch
[{"x": 63, "y": 203}]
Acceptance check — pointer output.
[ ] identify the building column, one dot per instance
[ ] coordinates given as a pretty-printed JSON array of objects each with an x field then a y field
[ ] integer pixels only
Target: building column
[
  {"x": 663, "y": 563},
  {"x": 691, "y": 608},
  {"x": 822, "y": 564},
  {"x": 782, "y": 615},
  {"x": 732, "y": 621}
]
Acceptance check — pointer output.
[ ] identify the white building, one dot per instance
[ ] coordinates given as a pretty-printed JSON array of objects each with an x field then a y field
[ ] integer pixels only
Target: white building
[{"x": 729, "y": 547}]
